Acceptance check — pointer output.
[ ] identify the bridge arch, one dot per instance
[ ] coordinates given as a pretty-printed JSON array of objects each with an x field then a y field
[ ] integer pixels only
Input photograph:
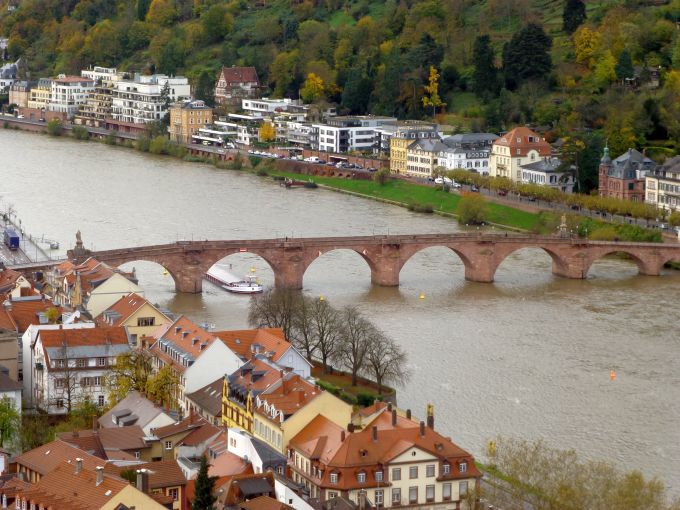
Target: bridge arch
[
  {"x": 242, "y": 263},
  {"x": 645, "y": 267},
  {"x": 163, "y": 271},
  {"x": 560, "y": 265},
  {"x": 328, "y": 254},
  {"x": 409, "y": 254}
]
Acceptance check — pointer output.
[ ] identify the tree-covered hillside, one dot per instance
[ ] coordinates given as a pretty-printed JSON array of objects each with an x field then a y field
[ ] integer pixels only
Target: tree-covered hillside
[{"x": 575, "y": 67}]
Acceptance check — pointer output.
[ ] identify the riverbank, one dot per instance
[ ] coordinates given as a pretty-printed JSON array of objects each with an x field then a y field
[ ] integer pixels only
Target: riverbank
[{"x": 400, "y": 192}]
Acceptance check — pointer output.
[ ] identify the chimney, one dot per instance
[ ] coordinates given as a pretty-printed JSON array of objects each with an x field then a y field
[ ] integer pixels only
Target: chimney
[
  {"x": 362, "y": 500},
  {"x": 342, "y": 436},
  {"x": 350, "y": 427},
  {"x": 394, "y": 417},
  {"x": 143, "y": 480},
  {"x": 430, "y": 416},
  {"x": 422, "y": 429},
  {"x": 79, "y": 465},
  {"x": 100, "y": 475},
  {"x": 375, "y": 433},
  {"x": 389, "y": 406},
  {"x": 408, "y": 414}
]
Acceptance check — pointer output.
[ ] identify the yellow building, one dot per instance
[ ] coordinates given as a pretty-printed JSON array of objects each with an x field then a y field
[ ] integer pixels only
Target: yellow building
[
  {"x": 187, "y": 118},
  {"x": 241, "y": 388},
  {"x": 41, "y": 94},
  {"x": 286, "y": 408},
  {"x": 136, "y": 314},
  {"x": 404, "y": 136},
  {"x": 422, "y": 157}
]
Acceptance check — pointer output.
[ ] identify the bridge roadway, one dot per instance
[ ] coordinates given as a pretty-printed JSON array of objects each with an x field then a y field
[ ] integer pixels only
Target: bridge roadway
[{"x": 289, "y": 258}]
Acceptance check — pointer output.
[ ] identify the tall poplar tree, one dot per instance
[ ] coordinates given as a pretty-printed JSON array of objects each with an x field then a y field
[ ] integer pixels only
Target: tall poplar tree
[
  {"x": 485, "y": 75},
  {"x": 573, "y": 16}
]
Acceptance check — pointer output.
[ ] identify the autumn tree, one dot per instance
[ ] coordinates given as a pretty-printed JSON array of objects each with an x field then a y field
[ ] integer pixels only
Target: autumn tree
[
  {"x": 267, "y": 132},
  {"x": 573, "y": 15},
  {"x": 162, "y": 12},
  {"x": 10, "y": 421},
  {"x": 216, "y": 22},
  {"x": 432, "y": 90},
  {"x": 472, "y": 209},
  {"x": 131, "y": 372},
  {"x": 313, "y": 89},
  {"x": 163, "y": 387}
]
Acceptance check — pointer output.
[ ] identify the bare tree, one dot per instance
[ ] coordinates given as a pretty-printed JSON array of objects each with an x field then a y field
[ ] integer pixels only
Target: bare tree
[
  {"x": 355, "y": 334},
  {"x": 303, "y": 328},
  {"x": 326, "y": 324},
  {"x": 274, "y": 309},
  {"x": 386, "y": 361}
]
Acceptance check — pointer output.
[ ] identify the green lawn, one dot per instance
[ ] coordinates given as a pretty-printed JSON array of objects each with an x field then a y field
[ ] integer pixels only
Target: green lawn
[{"x": 408, "y": 193}]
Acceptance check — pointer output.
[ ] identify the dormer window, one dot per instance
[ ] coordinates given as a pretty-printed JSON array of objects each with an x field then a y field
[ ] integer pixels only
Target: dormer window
[
  {"x": 334, "y": 478},
  {"x": 462, "y": 467},
  {"x": 378, "y": 476},
  {"x": 361, "y": 477},
  {"x": 446, "y": 468}
]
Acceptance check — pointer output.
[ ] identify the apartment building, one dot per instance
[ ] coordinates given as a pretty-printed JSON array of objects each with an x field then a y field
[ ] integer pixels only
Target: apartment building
[
  {"x": 514, "y": 149},
  {"x": 68, "y": 93},
  {"x": 147, "y": 98},
  {"x": 348, "y": 134},
  {"x": 624, "y": 176},
  {"x": 187, "y": 118},
  {"x": 98, "y": 106},
  {"x": 405, "y": 135},
  {"x": 663, "y": 185}
]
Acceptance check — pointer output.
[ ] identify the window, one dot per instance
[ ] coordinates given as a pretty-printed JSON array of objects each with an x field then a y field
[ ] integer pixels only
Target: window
[
  {"x": 173, "y": 493},
  {"x": 361, "y": 477},
  {"x": 138, "y": 455},
  {"x": 446, "y": 491},
  {"x": 101, "y": 362},
  {"x": 462, "y": 467},
  {"x": 429, "y": 493},
  {"x": 168, "y": 445},
  {"x": 413, "y": 472},
  {"x": 60, "y": 363},
  {"x": 80, "y": 362},
  {"x": 396, "y": 473},
  {"x": 60, "y": 383},
  {"x": 378, "y": 476},
  {"x": 100, "y": 400},
  {"x": 446, "y": 469},
  {"x": 462, "y": 489},
  {"x": 429, "y": 470},
  {"x": 146, "y": 321},
  {"x": 334, "y": 478},
  {"x": 332, "y": 495},
  {"x": 379, "y": 497},
  {"x": 97, "y": 381},
  {"x": 396, "y": 496},
  {"x": 413, "y": 494},
  {"x": 279, "y": 470},
  {"x": 60, "y": 402}
]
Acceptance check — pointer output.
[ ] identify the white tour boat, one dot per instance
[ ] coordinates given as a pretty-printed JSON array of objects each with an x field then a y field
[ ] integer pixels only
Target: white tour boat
[{"x": 249, "y": 285}]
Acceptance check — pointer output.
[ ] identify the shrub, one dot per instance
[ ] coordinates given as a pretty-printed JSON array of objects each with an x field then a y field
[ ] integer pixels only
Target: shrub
[
  {"x": 54, "y": 127},
  {"x": 5, "y": 124},
  {"x": 604, "y": 234},
  {"x": 421, "y": 208},
  {"x": 80, "y": 133},
  {"x": 365, "y": 399},
  {"x": 329, "y": 387},
  {"x": 142, "y": 144},
  {"x": 262, "y": 172},
  {"x": 111, "y": 140},
  {"x": 674, "y": 218},
  {"x": 472, "y": 209},
  {"x": 254, "y": 160},
  {"x": 382, "y": 176}
]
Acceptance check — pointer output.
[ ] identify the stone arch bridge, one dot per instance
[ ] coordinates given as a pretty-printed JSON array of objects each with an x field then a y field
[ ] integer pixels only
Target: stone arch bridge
[{"x": 187, "y": 261}]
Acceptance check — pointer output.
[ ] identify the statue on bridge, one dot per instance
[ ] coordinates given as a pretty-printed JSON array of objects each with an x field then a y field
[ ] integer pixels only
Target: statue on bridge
[
  {"x": 79, "y": 239},
  {"x": 563, "y": 226}
]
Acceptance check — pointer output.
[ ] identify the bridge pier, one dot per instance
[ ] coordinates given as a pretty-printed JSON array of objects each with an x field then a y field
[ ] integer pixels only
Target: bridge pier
[
  {"x": 189, "y": 279},
  {"x": 288, "y": 278}
]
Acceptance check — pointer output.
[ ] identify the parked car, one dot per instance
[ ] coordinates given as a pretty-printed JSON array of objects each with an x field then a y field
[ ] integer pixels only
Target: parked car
[
  {"x": 502, "y": 193},
  {"x": 474, "y": 189},
  {"x": 439, "y": 180},
  {"x": 456, "y": 185}
]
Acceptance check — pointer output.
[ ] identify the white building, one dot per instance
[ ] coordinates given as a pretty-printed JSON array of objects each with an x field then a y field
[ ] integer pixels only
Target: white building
[
  {"x": 101, "y": 74},
  {"x": 346, "y": 134},
  {"x": 547, "y": 172},
  {"x": 662, "y": 185},
  {"x": 266, "y": 107},
  {"x": 71, "y": 364},
  {"x": 469, "y": 151},
  {"x": 261, "y": 456},
  {"x": 8, "y": 74},
  {"x": 27, "y": 354},
  {"x": 514, "y": 149},
  {"x": 146, "y": 98},
  {"x": 68, "y": 93}
]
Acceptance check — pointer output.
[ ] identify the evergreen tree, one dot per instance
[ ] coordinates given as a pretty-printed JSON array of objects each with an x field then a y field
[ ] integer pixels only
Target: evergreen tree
[
  {"x": 624, "y": 66},
  {"x": 527, "y": 56},
  {"x": 387, "y": 89},
  {"x": 205, "y": 88},
  {"x": 204, "y": 498},
  {"x": 485, "y": 75},
  {"x": 356, "y": 92},
  {"x": 573, "y": 16}
]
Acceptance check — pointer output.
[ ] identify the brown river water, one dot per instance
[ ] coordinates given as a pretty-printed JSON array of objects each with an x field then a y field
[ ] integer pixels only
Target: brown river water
[{"x": 527, "y": 356}]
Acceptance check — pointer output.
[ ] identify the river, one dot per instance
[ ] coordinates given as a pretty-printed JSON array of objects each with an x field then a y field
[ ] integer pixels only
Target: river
[{"x": 527, "y": 356}]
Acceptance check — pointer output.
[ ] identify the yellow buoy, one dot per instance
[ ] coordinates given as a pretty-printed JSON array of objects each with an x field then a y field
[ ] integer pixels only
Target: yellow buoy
[
  {"x": 612, "y": 375},
  {"x": 165, "y": 272},
  {"x": 422, "y": 295},
  {"x": 321, "y": 298},
  {"x": 252, "y": 269}
]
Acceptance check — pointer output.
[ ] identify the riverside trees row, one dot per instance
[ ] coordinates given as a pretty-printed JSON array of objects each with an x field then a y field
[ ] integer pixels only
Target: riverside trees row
[{"x": 343, "y": 338}]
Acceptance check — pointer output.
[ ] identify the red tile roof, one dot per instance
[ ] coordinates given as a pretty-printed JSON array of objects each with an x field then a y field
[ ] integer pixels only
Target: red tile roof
[
  {"x": 248, "y": 342},
  {"x": 26, "y": 312},
  {"x": 187, "y": 336},
  {"x": 47, "y": 457},
  {"x": 228, "y": 464},
  {"x": 524, "y": 139},
  {"x": 264, "y": 503},
  {"x": 8, "y": 279},
  {"x": 83, "y": 336},
  {"x": 289, "y": 396},
  {"x": 238, "y": 75},
  {"x": 124, "y": 307},
  {"x": 187, "y": 425},
  {"x": 162, "y": 473}
]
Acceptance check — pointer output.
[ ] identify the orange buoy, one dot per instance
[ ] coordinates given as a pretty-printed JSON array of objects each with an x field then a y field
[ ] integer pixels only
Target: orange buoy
[{"x": 612, "y": 375}]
